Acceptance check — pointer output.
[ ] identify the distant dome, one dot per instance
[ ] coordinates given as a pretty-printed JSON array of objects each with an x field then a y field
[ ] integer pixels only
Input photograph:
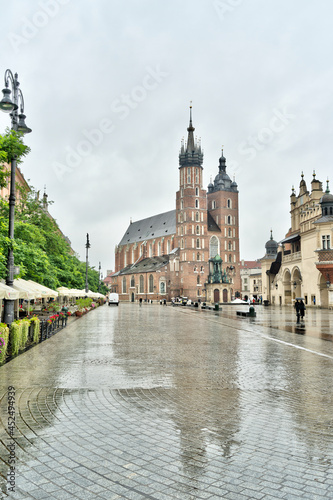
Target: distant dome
[
  {"x": 271, "y": 246},
  {"x": 327, "y": 198}
]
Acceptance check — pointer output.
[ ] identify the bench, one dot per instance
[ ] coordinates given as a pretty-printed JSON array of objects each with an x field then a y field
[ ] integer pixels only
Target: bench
[{"x": 246, "y": 314}]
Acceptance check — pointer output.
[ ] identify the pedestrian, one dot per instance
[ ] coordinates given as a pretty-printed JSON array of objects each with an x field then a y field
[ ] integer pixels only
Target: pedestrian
[
  {"x": 302, "y": 309},
  {"x": 298, "y": 312},
  {"x": 140, "y": 301}
]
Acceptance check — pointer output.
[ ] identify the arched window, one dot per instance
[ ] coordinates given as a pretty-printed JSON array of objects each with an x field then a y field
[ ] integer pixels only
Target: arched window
[
  {"x": 229, "y": 232},
  {"x": 196, "y": 191},
  {"x": 230, "y": 258},
  {"x": 198, "y": 279},
  {"x": 198, "y": 256},
  {"x": 213, "y": 247},
  {"x": 141, "y": 284},
  {"x": 229, "y": 219},
  {"x": 197, "y": 230},
  {"x": 188, "y": 175},
  {"x": 124, "y": 284},
  {"x": 182, "y": 243},
  {"x": 162, "y": 286},
  {"x": 197, "y": 217},
  {"x": 198, "y": 242},
  {"x": 229, "y": 245},
  {"x": 197, "y": 175},
  {"x": 213, "y": 204},
  {"x": 151, "y": 283},
  {"x": 196, "y": 203},
  {"x": 181, "y": 205},
  {"x": 159, "y": 248},
  {"x": 132, "y": 282},
  {"x": 229, "y": 204},
  {"x": 195, "y": 268}
]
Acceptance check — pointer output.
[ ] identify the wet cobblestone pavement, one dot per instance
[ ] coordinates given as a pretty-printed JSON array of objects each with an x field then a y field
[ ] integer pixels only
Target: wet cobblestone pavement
[{"x": 170, "y": 402}]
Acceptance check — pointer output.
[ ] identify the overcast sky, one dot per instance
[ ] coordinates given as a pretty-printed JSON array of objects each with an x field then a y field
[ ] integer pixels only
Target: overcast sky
[{"x": 107, "y": 86}]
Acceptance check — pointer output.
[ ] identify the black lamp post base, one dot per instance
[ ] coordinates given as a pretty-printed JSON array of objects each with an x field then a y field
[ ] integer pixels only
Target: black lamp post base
[{"x": 9, "y": 312}]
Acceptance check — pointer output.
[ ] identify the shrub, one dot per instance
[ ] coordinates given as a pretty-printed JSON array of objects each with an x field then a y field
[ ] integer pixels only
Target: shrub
[
  {"x": 4, "y": 337},
  {"x": 25, "y": 323},
  {"x": 36, "y": 328},
  {"x": 15, "y": 333}
]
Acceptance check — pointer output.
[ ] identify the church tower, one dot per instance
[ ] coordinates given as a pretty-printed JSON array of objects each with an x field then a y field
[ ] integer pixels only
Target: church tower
[{"x": 191, "y": 216}]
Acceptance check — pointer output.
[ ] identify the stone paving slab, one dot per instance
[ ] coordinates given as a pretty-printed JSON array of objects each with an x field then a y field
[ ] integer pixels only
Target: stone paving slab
[{"x": 164, "y": 403}]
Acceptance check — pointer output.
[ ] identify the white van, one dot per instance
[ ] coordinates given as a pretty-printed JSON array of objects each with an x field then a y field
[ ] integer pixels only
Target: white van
[{"x": 113, "y": 299}]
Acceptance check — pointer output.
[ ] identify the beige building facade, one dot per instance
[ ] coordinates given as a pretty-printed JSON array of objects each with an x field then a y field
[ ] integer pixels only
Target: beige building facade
[{"x": 301, "y": 265}]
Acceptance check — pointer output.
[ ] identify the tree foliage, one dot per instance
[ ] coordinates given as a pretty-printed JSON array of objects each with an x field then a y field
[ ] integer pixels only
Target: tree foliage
[{"x": 40, "y": 249}]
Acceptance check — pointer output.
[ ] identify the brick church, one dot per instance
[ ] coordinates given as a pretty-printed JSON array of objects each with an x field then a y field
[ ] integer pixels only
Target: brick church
[{"x": 191, "y": 251}]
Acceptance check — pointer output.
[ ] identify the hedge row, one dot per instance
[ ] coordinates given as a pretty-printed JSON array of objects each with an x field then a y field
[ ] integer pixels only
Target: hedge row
[{"x": 15, "y": 339}]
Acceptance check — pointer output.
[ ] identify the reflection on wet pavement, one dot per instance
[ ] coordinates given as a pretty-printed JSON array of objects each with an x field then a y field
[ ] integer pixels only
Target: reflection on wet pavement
[{"x": 162, "y": 402}]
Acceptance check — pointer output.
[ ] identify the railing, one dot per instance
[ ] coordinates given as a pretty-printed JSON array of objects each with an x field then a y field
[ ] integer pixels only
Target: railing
[
  {"x": 48, "y": 329},
  {"x": 292, "y": 257}
]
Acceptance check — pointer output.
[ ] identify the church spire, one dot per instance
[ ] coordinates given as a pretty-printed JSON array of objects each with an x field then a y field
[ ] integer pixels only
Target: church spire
[
  {"x": 190, "y": 138},
  {"x": 191, "y": 154}
]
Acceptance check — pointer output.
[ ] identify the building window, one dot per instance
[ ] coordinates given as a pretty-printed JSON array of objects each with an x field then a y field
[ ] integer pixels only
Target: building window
[
  {"x": 182, "y": 192},
  {"x": 230, "y": 258},
  {"x": 182, "y": 243},
  {"x": 229, "y": 219},
  {"x": 181, "y": 205},
  {"x": 124, "y": 284},
  {"x": 188, "y": 175},
  {"x": 229, "y": 204},
  {"x": 197, "y": 217},
  {"x": 168, "y": 247},
  {"x": 198, "y": 256},
  {"x": 159, "y": 248},
  {"x": 151, "y": 283},
  {"x": 213, "y": 247},
  {"x": 197, "y": 230},
  {"x": 197, "y": 176},
  {"x": 229, "y": 245},
  {"x": 162, "y": 286},
  {"x": 326, "y": 242},
  {"x": 141, "y": 284},
  {"x": 196, "y": 203},
  {"x": 229, "y": 232},
  {"x": 198, "y": 279},
  {"x": 132, "y": 282},
  {"x": 196, "y": 191},
  {"x": 198, "y": 242},
  {"x": 150, "y": 251},
  {"x": 213, "y": 204}
]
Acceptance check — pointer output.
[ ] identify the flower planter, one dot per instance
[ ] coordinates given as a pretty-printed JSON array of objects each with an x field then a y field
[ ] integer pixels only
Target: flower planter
[{"x": 78, "y": 313}]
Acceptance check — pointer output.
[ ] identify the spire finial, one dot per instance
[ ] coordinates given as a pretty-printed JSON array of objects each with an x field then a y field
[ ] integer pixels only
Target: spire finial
[
  {"x": 271, "y": 234},
  {"x": 302, "y": 175},
  {"x": 190, "y": 113},
  {"x": 314, "y": 175},
  {"x": 222, "y": 148},
  {"x": 327, "y": 186}
]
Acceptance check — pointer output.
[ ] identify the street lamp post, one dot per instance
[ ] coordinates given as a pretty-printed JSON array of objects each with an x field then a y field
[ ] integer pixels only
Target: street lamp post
[
  {"x": 87, "y": 248},
  {"x": 18, "y": 124},
  {"x": 99, "y": 277}
]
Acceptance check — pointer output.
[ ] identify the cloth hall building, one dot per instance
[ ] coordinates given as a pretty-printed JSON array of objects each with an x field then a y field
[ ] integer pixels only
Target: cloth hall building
[{"x": 191, "y": 251}]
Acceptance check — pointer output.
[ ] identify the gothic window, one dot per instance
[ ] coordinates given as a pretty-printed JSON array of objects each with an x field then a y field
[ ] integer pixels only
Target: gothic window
[
  {"x": 197, "y": 217},
  {"x": 188, "y": 175},
  {"x": 181, "y": 205},
  {"x": 196, "y": 191},
  {"x": 201, "y": 269},
  {"x": 151, "y": 283},
  {"x": 125, "y": 259},
  {"x": 198, "y": 256},
  {"x": 198, "y": 242},
  {"x": 229, "y": 204},
  {"x": 124, "y": 284},
  {"x": 198, "y": 279},
  {"x": 213, "y": 204},
  {"x": 141, "y": 286},
  {"x": 196, "y": 203},
  {"x": 213, "y": 247},
  {"x": 230, "y": 258},
  {"x": 182, "y": 192},
  {"x": 229, "y": 219},
  {"x": 197, "y": 230},
  {"x": 162, "y": 286},
  {"x": 229, "y": 245},
  {"x": 182, "y": 243},
  {"x": 197, "y": 175},
  {"x": 229, "y": 232},
  {"x": 132, "y": 282}
]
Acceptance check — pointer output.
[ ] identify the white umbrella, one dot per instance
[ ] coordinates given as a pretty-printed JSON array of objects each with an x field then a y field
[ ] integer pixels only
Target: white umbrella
[{"x": 7, "y": 292}]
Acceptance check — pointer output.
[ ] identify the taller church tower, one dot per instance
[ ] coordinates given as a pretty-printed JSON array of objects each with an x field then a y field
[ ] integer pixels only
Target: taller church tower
[{"x": 191, "y": 216}]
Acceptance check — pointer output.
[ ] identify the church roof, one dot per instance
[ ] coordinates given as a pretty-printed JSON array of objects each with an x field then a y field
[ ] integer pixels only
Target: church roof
[
  {"x": 153, "y": 227},
  {"x": 147, "y": 265}
]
